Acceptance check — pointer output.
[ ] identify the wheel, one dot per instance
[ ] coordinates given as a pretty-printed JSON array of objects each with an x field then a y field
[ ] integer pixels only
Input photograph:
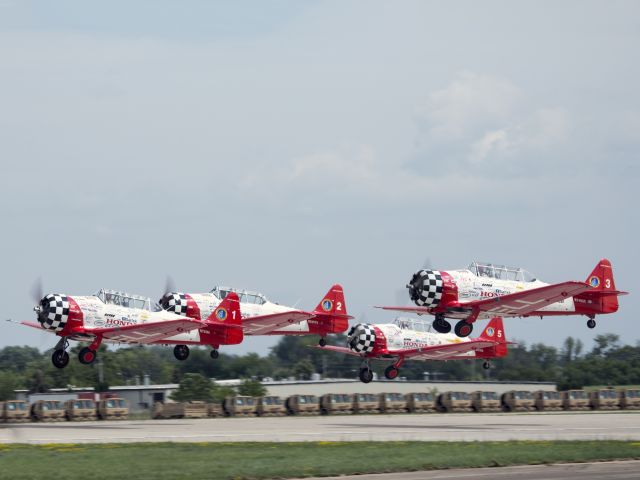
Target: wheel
[
  {"x": 322, "y": 342},
  {"x": 181, "y": 352},
  {"x": 486, "y": 365},
  {"x": 441, "y": 325},
  {"x": 463, "y": 329},
  {"x": 366, "y": 375},
  {"x": 87, "y": 356},
  {"x": 591, "y": 323},
  {"x": 214, "y": 354},
  {"x": 391, "y": 372},
  {"x": 60, "y": 358}
]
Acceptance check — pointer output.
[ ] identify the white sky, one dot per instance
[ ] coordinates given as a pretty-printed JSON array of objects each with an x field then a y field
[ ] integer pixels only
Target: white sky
[{"x": 284, "y": 146}]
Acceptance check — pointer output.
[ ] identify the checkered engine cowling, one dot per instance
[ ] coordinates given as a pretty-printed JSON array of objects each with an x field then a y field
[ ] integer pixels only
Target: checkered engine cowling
[
  {"x": 175, "y": 302},
  {"x": 54, "y": 312},
  {"x": 362, "y": 338},
  {"x": 425, "y": 288}
]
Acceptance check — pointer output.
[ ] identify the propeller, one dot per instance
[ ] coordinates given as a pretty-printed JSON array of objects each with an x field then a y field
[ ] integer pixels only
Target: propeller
[
  {"x": 37, "y": 290},
  {"x": 169, "y": 287}
]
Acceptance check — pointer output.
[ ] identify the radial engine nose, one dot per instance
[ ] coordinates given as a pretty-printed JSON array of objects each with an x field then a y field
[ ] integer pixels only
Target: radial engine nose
[
  {"x": 425, "y": 288},
  {"x": 53, "y": 311},
  {"x": 361, "y": 338}
]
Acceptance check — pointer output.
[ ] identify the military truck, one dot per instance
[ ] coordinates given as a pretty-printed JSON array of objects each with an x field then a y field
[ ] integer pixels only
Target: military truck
[
  {"x": 604, "y": 399},
  {"x": 454, "y": 402},
  {"x": 239, "y": 405},
  {"x": 575, "y": 400},
  {"x": 47, "y": 411},
  {"x": 214, "y": 410},
  {"x": 80, "y": 409},
  {"x": 546, "y": 400},
  {"x": 332, "y": 403},
  {"x": 392, "y": 402},
  {"x": 302, "y": 405},
  {"x": 14, "y": 411},
  {"x": 517, "y": 401},
  {"x": 180, "y": 410},
  {"x": 270, "y": 406},
  {"x": 365, "y": 403},
  {"x": 485, "y": 401},
  {"x": 629, "y": 399},
  {"x": 113, "y": 408},
  {"x": 420, "y": 402}
]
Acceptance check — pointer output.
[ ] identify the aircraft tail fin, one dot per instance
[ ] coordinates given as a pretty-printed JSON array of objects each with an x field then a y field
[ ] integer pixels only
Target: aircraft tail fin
[
  {"x": 603, "y": 296},
  {"x": 331, "y": 312},
  {"x": 494, "y": 332},
  {"x": 227, "y": 312}
]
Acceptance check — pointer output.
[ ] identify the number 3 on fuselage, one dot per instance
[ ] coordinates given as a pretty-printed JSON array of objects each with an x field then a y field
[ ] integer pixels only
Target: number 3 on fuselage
[{"x": 485, "y": 290}]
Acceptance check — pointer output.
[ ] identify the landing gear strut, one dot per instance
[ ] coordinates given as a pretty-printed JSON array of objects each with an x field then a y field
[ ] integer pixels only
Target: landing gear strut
[
  {"x": 463, "y": 329},
  {"x": 591, "y": 323},
  {"x": 60, "y": 357},
  {"x": 181, "y": 352},
  {"x": 441, "y": 325}
]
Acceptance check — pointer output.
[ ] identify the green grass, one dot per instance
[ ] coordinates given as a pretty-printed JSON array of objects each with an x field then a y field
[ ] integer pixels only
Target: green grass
[{"x": 285, "y": 460}]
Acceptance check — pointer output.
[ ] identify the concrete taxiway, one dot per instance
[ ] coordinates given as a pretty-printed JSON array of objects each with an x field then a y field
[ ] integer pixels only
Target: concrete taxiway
[
  {"x": 624, "y": 470},
  {"x": 429, "y": 427}
]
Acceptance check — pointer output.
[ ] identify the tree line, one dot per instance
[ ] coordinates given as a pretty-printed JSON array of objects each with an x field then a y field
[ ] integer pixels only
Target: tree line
[{"x": 608, "y": 362}]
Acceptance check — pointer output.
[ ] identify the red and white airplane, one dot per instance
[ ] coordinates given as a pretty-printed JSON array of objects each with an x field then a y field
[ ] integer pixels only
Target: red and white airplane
[
  {"x": 484, "y": 290},
  {"x": 409, "y": 339},
  {"x": 117, "y": 317}
]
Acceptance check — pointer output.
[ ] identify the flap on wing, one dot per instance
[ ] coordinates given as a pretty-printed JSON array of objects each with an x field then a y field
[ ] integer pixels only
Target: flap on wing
[
  {"x": 527, "y": 301},
  {"x": 146, "y": 332},
  {"x": 264, "y": 324}
]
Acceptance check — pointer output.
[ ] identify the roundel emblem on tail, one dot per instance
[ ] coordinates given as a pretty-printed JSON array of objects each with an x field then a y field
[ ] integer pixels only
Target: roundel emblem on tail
[
  {"x": 221, "y": 314},
  {"x": 490, "y": 332},
  {"x": 594, "y": 281},
  {"x": 327, "y": 305}
]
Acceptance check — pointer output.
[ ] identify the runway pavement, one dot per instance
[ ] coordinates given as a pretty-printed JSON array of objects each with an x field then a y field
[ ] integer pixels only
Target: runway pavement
[
  {"x": 402, "y": 427},
  {"x": 625, "y": 470}
]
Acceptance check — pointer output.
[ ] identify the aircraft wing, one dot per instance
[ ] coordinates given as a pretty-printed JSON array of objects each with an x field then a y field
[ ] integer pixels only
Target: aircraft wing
[
  {"x": 146, "y": 332},
  {"x": 265, "y": 324},
  {"x": 514, "y": 304},
  {"x": 32, "y": 324},
  {"x": 433, "y": 352}
]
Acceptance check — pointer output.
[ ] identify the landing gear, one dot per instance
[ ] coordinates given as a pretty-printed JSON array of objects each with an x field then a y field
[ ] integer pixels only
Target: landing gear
[
  {"x": 486, "y": 365},
  {"x": 366, "y": 375},
  {"x": 463, "y": 329},
  {"x": 181, "y": 352},
  {"x": 214, "y": 354},
  {"x": 60, "y": 358},
  {"x": 591, "y": 323},
  {"x": 391, "y": 372},
  {"x": 87, "y": 356},
  {"x": 441, "y": 325},
  {"x": 322, "y": 342}
]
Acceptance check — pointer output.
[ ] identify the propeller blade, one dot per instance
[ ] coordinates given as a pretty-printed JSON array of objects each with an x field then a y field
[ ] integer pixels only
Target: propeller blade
[
  {"x": 169, "y": 286},
  {"x": 37, "y": 290}
]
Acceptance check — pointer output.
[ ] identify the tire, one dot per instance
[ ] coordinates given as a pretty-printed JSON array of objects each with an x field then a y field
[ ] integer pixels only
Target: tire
[
  {"x": 87, "y": 356},
  {"x": 366, "y": 375},
  {"x": 391, "y": 372},
  {"x": 214, "y": 354},
  {"x": 60, "y": 359},
  {"x": 322, "y": 342},
  {"x": 181, "y": 352},
  {"x": 440, "y": 325},
  {"x": 463, "y": 329},
  {"x": 591, "y": 323}
]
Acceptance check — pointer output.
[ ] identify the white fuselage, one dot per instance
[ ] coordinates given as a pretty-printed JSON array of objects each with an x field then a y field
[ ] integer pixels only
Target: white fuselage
[{"x": 408, "y": 339}]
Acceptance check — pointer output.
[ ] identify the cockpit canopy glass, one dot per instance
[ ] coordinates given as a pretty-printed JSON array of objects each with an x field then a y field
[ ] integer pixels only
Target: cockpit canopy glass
[
  {"x": 244, "y": 295},
  {"x": 413, "y": 324},
  {"x": 500, "y": 272},
  {"x": 123, "y": 299}
]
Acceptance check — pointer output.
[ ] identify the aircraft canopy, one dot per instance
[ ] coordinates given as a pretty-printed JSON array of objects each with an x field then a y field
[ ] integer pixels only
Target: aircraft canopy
[
  {"x": 500, "y": 272},
  {"x": 244, "y": 295},
  {"x": 123, "y": 299},
  {"x": 413, "y": 324}
]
